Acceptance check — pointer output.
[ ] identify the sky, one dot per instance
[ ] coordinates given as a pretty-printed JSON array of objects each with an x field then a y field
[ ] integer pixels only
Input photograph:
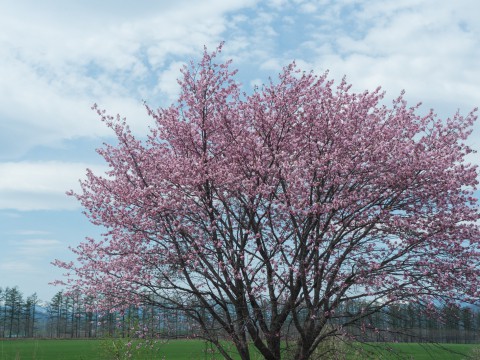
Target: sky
[{"x": 58, "y": 58}]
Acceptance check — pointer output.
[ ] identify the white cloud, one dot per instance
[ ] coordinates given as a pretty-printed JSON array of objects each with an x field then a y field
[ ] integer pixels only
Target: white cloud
[
  {"x": 10, "y": 214},
  {"x": 308, "y": 7},
  {"x": 37, "y": 248},
  {"x": 56, "y": 59},
  {"x": 43, "y": 177},
  {"x": 272, "y": 64},
  {"x": 277, "y": 3},
  {"x": 30, "y": 232},
  {"x": 27, "y": 201},
  {"x": 256, "y": 83},
  {"x": 16, "y": 267},
  {"x": 40, "y": 185},
  {"x": 167, "y": 81},
  {"x": 420, "y": 46}
]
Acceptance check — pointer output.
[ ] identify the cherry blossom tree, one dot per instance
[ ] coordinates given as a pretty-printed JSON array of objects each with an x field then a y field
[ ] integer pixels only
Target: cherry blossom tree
[{"x": 262, "y": 216}]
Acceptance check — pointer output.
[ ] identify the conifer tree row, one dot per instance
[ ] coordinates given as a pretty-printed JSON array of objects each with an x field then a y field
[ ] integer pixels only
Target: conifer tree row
[{"x": 74, "y": 316}]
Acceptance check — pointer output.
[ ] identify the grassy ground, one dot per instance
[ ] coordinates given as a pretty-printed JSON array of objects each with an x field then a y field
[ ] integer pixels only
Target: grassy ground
[
  {"x": 198, "y": 350},
  {"x": 49, "y": 349},
  {"x": 420, "y": 351}
]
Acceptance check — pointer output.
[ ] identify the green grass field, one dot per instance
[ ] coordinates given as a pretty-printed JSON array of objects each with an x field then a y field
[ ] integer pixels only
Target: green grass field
[
  {"x": 195, "y": 350},
  {"x": 420, "y": 351},
  {"x": 49, "y": 349}
]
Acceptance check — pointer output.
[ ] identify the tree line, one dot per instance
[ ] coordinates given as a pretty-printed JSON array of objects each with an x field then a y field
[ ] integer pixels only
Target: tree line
[
  {"x": 74, "y": 316},
  {"x": 17, "y": 314}
]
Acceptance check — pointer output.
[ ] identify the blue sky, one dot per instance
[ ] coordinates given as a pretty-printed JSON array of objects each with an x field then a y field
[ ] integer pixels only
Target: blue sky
[{"x": 59, "y": 57}]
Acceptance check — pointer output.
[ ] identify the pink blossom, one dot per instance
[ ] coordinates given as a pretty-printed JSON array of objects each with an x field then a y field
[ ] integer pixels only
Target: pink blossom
[{"x": 302, "y": 194}]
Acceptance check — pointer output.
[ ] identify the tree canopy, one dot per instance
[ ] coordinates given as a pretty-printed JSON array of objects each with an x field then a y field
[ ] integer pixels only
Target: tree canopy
[{"x": 262, "y": 216}]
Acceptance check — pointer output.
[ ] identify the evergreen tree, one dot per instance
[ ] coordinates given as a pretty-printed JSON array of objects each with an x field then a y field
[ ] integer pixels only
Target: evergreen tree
[{"x": 13, "y": 308}]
